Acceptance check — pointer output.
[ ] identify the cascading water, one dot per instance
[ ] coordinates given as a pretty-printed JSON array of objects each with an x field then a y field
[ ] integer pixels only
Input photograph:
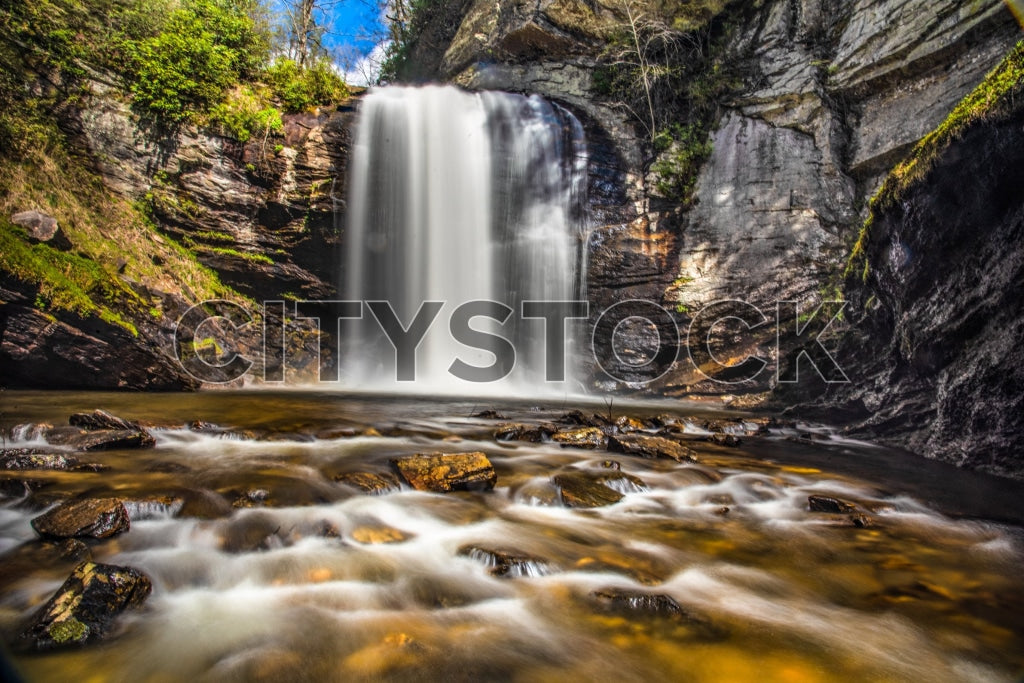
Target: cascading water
[{"x": 459, "y": 197}]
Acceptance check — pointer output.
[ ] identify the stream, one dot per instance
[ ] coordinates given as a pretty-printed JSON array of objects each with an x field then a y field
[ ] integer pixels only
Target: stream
[{"x": 266, "y": 567}]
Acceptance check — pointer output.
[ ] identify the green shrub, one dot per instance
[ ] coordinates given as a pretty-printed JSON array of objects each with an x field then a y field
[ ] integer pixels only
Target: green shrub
[
  {"x": 184, "y": 70},
  {"x": 682, "y": 151},
  {"x": 301, "y": 89},
  {"x": 245, "y": 113}
]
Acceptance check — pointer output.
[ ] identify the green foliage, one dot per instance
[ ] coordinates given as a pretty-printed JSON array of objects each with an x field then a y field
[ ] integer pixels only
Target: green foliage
[
  {"x": 992, "y": 99},
  {"x": 683, "y": 150},
  {"x": 186, "y": 68},
  {"x": 246, "y": 113},
  {"x": 302, "y": 89}
]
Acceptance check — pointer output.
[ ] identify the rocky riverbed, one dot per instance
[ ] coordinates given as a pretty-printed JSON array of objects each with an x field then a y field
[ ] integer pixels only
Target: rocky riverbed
[{"x": 302, "y": 536}]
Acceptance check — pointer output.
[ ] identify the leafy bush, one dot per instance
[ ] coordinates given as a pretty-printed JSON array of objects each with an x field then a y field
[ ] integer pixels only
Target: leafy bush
[
  {"x": 301, "y": 89},
  {"x": 205, "y": 47}
]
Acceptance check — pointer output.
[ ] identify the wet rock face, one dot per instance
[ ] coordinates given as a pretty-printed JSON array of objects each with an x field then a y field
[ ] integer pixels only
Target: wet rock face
[
  {"x": 444, "y": 472},
  {"x": 47, "y": 350},
  {"x": 85, "y": 607},
  {"x": 585, "y": 437},
  {"x": 945, "y": 366},
  {"x": 92, "y": 518},
  {"x": 223, "y": 194}
]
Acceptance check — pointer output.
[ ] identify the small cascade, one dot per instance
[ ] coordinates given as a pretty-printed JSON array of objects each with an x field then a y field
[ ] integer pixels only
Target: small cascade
[{"x": 458, "y": 197}]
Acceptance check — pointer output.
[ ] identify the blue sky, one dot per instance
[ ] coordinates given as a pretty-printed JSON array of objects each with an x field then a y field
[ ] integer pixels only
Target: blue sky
[
  {"x": 355, "y": 37},
  {"x": 355, "y": 23}
]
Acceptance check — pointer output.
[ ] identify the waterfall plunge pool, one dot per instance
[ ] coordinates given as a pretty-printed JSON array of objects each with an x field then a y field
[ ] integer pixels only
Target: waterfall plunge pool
[{"x": 661, "y": 585}]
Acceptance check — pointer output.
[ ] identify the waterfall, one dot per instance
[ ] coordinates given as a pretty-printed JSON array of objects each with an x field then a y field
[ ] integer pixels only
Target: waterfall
[{"x": 458, "y": 197}]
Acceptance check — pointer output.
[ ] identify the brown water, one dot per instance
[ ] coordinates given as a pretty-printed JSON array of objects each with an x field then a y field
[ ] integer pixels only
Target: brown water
[{"x": 772, "y": 592}]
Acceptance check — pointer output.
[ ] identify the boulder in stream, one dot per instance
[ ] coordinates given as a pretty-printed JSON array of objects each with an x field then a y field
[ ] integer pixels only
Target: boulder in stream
[
  {"x": 585, "y": 437},
  {"x": 90, "y": 518},
  {"x": 829, "y": 504},
  {"x": 85, "y": 607},
  {"x": 35, "y": 459},
  {"x": 651, "y": 447},
  {"x": 517, "y": 431},
  {"x": 99, "y": 420},
  {"x": 111, "y": 439},
  {"x": 446, "y": 472}
]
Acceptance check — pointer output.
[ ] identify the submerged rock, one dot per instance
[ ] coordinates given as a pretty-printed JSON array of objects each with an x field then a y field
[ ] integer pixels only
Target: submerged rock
[
  {"x": 489, "y": 415},
  {"x": 829, "y": 504},
  {"x": 377, "y": 535},
  {"x": 506, "y": 564},
  {"x": 585, "y": 437},
  {"x": 651, "y": 447},
  {"x": 85, "y": 607},
  {"x": 91, "y": 518},
  {"x": 445, "y": 472},
  {"x": 583, "y": 490},
  {"x": 100, "y": 419},
  {"x": 28, "y": 557},
  {"x": 370, "y": 482}
]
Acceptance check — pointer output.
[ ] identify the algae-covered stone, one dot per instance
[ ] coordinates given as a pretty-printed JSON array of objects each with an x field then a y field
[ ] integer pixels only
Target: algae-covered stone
[
  {"x": 445, "y": 472},
  {"x": 86, "y": 606}
]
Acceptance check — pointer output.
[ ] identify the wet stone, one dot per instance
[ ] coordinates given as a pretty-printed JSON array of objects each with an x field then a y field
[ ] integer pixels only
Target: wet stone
[
  {"x": 370, "y": 482},
  {"x": 86, "y": 606},
  {"x": 99, "y": 420},
  {"x": 108, "y": 440},
  {"x": 581, "y": 490},
  {"x": 91, "y": 518},
  {"x": 506, "y": 564},
  {"x": 252, "y": 498},
  {"x": 586, "y": 437},
  {"x": 625, "y": 423},
  {"x": 651, "y": 447},
  {"x": 729, "y": 440},
  {"x": 523, "y": 432},
  {"x": 446, "y": 472},
  {"x": 34, "y": 459},
  {"x": 829, "y": 504},
  {"x": 637, "y": 601}
]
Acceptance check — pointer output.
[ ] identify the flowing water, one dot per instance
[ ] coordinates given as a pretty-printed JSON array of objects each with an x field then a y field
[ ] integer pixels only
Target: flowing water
[
  {"x": 459, "y": 197},
  {"x": 308, "y": 579}
]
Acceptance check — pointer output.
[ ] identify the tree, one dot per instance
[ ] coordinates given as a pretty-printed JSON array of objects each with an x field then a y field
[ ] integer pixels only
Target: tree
[{"x": 305, "y": 28}]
